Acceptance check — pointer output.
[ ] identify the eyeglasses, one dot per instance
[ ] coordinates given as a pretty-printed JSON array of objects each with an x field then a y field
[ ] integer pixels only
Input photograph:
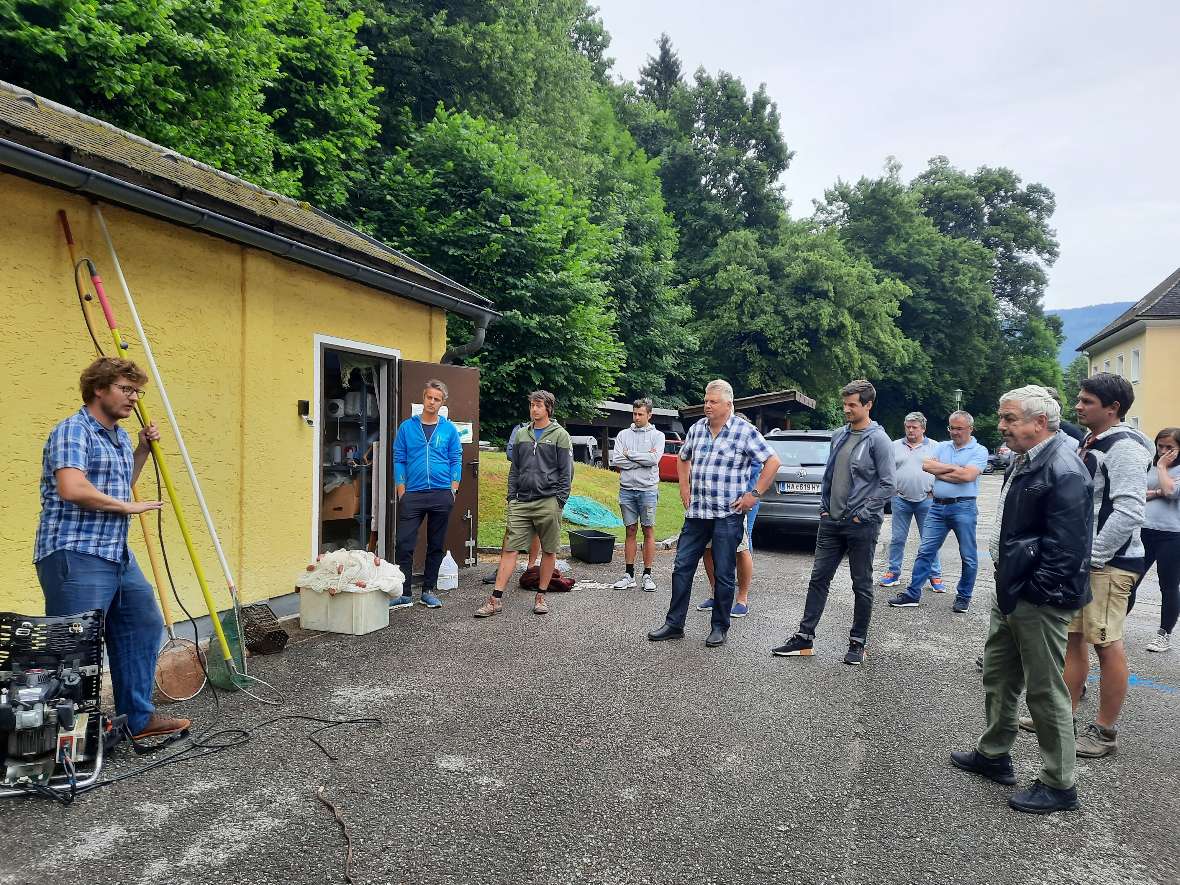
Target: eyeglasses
[{"x": 128, "y": 390}]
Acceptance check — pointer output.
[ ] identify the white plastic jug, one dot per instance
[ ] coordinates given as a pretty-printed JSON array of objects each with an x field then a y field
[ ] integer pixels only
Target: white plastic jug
[{"x": 448, "y": 573}]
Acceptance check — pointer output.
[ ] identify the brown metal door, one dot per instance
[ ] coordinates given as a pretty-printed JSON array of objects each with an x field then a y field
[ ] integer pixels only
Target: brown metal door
[{"x": 463, "y": 408}]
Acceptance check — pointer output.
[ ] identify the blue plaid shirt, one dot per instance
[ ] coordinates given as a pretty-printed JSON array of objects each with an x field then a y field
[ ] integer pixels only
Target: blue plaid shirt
[
  {"x": 721, "y": 465},
  {"x": 107, "y": 458}
]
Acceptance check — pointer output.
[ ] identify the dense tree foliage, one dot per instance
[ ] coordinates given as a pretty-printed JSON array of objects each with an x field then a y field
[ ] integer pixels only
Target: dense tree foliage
[{"x": 636, "y": 235}]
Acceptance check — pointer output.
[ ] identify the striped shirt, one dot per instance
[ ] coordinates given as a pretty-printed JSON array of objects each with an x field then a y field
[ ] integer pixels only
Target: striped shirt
[
  {"x": 107, "y": 457},
  {"x": 721, "y": 465}
]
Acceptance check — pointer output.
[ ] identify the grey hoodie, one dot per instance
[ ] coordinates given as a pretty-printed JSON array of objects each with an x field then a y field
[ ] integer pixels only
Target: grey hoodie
[
  {"x": 640, "y": 467},
  {"x": 872, "y": 474}
]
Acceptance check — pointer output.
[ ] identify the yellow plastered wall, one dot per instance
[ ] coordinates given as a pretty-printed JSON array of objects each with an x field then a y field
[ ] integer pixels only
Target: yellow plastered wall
[
  {"x": 232, "y": 330},
  {"x": 1159, "y": 365}
]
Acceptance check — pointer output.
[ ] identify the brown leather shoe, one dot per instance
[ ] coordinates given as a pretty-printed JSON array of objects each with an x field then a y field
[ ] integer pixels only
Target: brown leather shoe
[{"x": 161, "y": 726}]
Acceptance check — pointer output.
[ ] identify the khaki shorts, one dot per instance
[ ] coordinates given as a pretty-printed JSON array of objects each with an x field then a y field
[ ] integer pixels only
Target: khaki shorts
[
  {"x": 527, "y": 518},
  {"x": 1102, "y": 621}
]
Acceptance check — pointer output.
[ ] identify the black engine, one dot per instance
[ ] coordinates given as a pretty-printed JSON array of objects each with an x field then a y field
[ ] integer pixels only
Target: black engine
[{"x": 49, "y": 696}]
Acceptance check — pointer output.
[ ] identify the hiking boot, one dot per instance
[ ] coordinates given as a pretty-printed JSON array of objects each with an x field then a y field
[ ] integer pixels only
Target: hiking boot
[
  {"x": 706, "y": 605},
  {"x": 961, "y": 605},
  {"x": 627, "y": 582},
  {"x": 902, "y": 600},
  {"x": 796, "y": 646},
  {"x": 649, "y": 583},
  {"x": 1096, "y": 742},
  {"x": 856, "y": 653},
  {"x": 890, "y": 579},
  {"x": 1162, "y": 642},
  {"x": 162, "y": 726},
  {"x": 492, "y": 607},
  {"x": 1040, "y": 798},
  {"x": 999, "y": 769},
  {"x": 936, "y": 584}
]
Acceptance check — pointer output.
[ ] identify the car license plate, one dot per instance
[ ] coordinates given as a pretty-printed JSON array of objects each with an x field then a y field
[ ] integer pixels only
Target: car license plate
[{"x": 798, "y": 488}]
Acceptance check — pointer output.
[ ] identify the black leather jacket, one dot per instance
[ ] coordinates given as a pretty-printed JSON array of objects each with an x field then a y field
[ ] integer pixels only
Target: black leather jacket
[{"x": 1046, "y": 532}]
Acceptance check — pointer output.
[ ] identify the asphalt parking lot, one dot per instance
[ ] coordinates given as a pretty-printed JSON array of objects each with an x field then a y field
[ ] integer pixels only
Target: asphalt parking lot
[{"x": 567, "y": 748}]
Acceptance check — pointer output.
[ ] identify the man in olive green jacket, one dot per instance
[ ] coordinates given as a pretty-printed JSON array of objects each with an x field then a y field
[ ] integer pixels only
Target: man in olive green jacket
[{"x": 539, "y": 484}]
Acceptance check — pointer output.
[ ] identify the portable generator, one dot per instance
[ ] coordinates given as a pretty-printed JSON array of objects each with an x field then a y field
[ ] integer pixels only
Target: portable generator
[{"x": 51, "y": 722}]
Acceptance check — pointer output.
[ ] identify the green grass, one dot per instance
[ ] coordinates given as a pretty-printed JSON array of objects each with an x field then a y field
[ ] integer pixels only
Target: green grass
[{"x": 590, "y": 482}]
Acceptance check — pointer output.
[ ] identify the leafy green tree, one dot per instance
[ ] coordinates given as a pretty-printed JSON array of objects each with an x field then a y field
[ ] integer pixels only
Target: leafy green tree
[
  {"x": 273, "y": 91},
  {"x": 464, "y": 198},
  {"x": 951, "y": 314},
  {"x": 321, "y": 101},
  {"x": 992, "y": 207},
  {"x": 803, "y": 313},
  {"x": 1071, "y": 384},
  {"x": 188, "y": 76},
  {"x": 652, "y": 316},
  {"x": 661, "y": 75}
]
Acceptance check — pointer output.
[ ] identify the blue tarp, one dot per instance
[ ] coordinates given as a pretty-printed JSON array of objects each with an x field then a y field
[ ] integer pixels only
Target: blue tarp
[{"x": 585, "y": 511}]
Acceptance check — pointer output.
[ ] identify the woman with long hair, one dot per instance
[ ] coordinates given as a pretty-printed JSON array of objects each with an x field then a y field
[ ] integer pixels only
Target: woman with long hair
[{"x": 1161, "y": 532}]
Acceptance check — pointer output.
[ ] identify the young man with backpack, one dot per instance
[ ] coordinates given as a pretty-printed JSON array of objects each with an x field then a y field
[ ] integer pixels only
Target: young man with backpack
[{"x": 1118, "y": 457}]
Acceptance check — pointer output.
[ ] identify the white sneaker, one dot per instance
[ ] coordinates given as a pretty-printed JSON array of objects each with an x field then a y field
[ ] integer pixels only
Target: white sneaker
[
  {"x": 627, "y": 582},
  {"x": 649, "y": 584},
  {"x": 1162, "y": 642}
]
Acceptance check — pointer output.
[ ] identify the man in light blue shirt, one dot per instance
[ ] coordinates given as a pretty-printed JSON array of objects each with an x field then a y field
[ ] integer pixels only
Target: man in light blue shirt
[
  {"x": 913, "y": 499},
  {"x": 956, "y": 467}
]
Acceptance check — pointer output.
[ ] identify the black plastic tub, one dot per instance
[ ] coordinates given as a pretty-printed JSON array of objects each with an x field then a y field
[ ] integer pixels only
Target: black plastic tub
[{"x": 590, "y": 545}]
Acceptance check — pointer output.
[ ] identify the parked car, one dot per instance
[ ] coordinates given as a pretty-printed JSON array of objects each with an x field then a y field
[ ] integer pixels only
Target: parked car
[
  {"x": 999, "y": 459},
  {"x": 791, "y": 504},
  {"x": 668, "y": 460},
  {"x": 587, "y": 450}
]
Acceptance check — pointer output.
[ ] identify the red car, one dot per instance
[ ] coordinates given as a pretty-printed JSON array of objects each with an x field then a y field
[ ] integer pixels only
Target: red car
[{"x": 668, "y": 460}]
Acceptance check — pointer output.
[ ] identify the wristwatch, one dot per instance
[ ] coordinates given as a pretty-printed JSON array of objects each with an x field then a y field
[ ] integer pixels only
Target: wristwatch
[{"x": 755, "y": 493}]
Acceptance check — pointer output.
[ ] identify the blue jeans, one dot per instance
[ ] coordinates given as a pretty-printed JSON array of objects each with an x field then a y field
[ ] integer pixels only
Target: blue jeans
[
  {"x": 903, "y": 510},
  {"x": 76, "y": 582},
  {"x": 943, "y": 519},
  {"x": 725, "y": 533},
  {"x": 639, "y": 506}
]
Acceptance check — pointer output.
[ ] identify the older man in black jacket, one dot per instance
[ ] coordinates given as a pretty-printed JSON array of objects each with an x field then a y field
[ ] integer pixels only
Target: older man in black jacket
[{"x": 1041, "y": 550}]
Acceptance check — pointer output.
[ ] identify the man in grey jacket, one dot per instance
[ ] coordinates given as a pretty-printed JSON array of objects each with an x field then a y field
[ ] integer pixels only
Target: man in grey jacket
[
  {"x": 636, "y": 455},
  {"x": 858, "y": 480},
  {"x": 1118, "y": 457}
]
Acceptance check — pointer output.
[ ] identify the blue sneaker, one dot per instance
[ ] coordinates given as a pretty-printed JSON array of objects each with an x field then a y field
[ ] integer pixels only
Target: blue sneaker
[
  {"x": 401, "y": 601},
  {"x": 739, "y": 610},
  {"x": 890, "y": 579},
  {"x": 430, "y": 600},
  {"x": 706, "y": 606}
]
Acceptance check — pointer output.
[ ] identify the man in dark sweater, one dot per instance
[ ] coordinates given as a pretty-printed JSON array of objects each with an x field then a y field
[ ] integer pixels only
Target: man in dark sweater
[{"x": 1040, "y": 546}]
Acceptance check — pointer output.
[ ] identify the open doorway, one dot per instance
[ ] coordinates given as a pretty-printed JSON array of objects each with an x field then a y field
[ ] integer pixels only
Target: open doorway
[{"x": 356, "y": 404}]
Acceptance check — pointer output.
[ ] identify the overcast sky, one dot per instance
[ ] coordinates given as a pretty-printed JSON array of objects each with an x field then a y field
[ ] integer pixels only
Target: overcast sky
[{"x": 1083, "y": 97}]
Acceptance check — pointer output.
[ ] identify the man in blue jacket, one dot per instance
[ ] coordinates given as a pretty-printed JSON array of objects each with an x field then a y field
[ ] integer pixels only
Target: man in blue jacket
[
  {"x": 857, "y": 482},
  {"x": 427, "y": 467}
]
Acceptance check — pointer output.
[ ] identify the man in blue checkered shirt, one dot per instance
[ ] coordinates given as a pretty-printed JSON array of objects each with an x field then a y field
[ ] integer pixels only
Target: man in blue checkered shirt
[
  {"x": 83, "y": 563},
  {"x": 714, "y": 472}
]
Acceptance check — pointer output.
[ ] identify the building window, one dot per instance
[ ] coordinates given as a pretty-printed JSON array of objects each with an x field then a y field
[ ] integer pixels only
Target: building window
[
  {"x": 1120, "y": 364},
  {"x": 1135, "y": 421},
  {"x": 1106, "y": 365},
  {"x": 1135, "y": 364}
]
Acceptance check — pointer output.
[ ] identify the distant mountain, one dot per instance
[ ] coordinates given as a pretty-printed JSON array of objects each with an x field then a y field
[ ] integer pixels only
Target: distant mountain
[{"x": 1079, "y": 323}]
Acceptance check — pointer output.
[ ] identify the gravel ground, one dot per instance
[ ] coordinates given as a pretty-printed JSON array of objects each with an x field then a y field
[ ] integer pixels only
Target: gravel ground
[{"x": 567, "y": 748}]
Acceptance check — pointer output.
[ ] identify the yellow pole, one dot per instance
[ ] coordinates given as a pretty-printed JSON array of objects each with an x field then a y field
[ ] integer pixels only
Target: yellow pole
[
  {"x": 173, "y": 497},
  {"x": 153, "y": 556}
]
